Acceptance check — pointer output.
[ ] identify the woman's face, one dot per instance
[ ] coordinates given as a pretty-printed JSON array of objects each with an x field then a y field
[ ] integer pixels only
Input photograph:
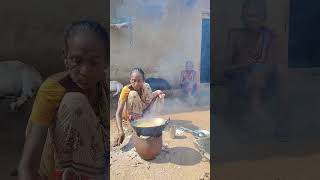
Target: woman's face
[
  {"x": 85, "y": 59},
  {"x": 254, "y": 17},
  {"x": 137, "y": 81},
  {"x": 189, "y": 66}
]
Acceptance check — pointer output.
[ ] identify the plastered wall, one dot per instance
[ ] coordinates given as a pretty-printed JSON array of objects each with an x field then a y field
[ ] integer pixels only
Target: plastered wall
[
  {"x": 32, "y": 31},
  {"x": 159, "y": 45}
]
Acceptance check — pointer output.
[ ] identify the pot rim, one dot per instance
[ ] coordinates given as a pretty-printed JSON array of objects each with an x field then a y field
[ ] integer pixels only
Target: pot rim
[{"x": 146, "y": 119}]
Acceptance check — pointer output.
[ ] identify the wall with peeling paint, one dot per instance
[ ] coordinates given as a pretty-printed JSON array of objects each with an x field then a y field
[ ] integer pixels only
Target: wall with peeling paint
[{"x": 164, "y": 35}]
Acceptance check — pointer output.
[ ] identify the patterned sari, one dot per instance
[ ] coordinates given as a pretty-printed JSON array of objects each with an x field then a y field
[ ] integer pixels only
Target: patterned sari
[
  {"x": 143, "y": 104},
  {"x": 78, "y": 137}
]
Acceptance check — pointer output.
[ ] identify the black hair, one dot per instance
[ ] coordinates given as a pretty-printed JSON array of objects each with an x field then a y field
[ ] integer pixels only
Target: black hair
[
  {"x": 247, "y": 4},
  {"x": 86, "y": 25},
  {"x": 139, "y": 70}
]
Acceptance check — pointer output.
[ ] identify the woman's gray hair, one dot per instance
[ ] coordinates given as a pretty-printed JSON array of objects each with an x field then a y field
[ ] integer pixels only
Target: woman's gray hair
[{"x": 138, "y": 70}]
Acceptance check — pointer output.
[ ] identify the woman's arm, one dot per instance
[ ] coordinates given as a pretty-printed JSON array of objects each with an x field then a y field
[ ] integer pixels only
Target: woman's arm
[
  {"x": 229, "y": 51},
  {"x": 197, "y": 81},
  {"x": 181, "y": 77},
  {"x": 231, "y": 48},
  {"x": 157, "y": 93},
  {"x": 119, "y": 116},
  {"x": 121, "y": 134},
  {"x": 32, "y": 152}
]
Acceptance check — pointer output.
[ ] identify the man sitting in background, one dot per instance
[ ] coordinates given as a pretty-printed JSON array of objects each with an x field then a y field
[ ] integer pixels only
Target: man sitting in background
[{"x": 248, "y": 50}]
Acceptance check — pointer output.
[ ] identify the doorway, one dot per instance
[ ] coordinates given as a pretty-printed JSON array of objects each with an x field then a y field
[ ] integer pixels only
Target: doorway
[{"x": 205, "y": 50}]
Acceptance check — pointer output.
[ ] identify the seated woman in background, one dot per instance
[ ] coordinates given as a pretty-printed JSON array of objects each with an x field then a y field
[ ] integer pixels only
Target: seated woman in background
[
  {"x": 189, "y": 80},
  {"x": 137, "y": 100}
]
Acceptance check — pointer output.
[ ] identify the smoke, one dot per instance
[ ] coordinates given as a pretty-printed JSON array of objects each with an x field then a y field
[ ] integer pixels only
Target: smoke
[
  {"x": 163, "y": 40},
  {"x": 175, "y": 105},
  {"x": 170, "y": 68}
]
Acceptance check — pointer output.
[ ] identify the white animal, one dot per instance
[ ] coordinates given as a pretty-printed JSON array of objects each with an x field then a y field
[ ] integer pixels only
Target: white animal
[
  {"x": 116, "y": 87},
  {"x": 18, "y": 80}
]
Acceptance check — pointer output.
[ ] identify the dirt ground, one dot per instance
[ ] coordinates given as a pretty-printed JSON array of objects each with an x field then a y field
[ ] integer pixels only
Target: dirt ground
[
  {"x": 11, "y": 137},
  {"x": 268, "y": 159},
  {"x": 180, "y": 159},
  {"x": 298, "y": 159},
  {"x": 276, "y": 168}
]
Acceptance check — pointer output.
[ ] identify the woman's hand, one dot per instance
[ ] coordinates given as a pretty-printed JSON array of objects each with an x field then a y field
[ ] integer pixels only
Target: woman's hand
[
  {"x": 159, "y": 93},
  {"x": 118, "y": 141},
  {"x": 135, "y": 117}
]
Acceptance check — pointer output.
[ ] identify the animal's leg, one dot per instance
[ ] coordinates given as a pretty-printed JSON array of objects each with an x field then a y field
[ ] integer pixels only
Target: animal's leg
[
  {"x": 119, "y": 87},
  {"x": 116, "y": 93},
  {"x": 20, "y": 101}
]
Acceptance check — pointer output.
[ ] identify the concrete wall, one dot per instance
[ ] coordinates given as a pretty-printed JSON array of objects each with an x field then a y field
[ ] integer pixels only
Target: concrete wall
[
  {"x": 227, "y": 16},
  {"x": 32, "y": 31},
  {"x": 159, "y": 47}
]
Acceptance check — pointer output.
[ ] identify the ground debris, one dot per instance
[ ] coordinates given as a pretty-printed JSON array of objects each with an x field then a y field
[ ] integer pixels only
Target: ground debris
[
  {"x": 136, "y": 164},
  {"x": 205, "y": 176},
  {"x": 204, "y": 159},
  {"x": 132, "y": 155},
  {"x": 165, "y": 150},
  {"x": 148, "y": 165}
]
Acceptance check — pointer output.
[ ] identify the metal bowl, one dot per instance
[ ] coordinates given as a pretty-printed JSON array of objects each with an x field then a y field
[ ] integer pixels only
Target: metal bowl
[
  {"x": 203, "y": 145},
  {"x": 201, "y": 133},
  {"x": 202, "y": 142},
  {"x": 153, "y": 131}
]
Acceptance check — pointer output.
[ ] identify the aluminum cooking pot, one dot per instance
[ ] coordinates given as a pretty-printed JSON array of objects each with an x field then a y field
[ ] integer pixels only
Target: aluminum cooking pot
[{"x": 149, "y": 126}]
